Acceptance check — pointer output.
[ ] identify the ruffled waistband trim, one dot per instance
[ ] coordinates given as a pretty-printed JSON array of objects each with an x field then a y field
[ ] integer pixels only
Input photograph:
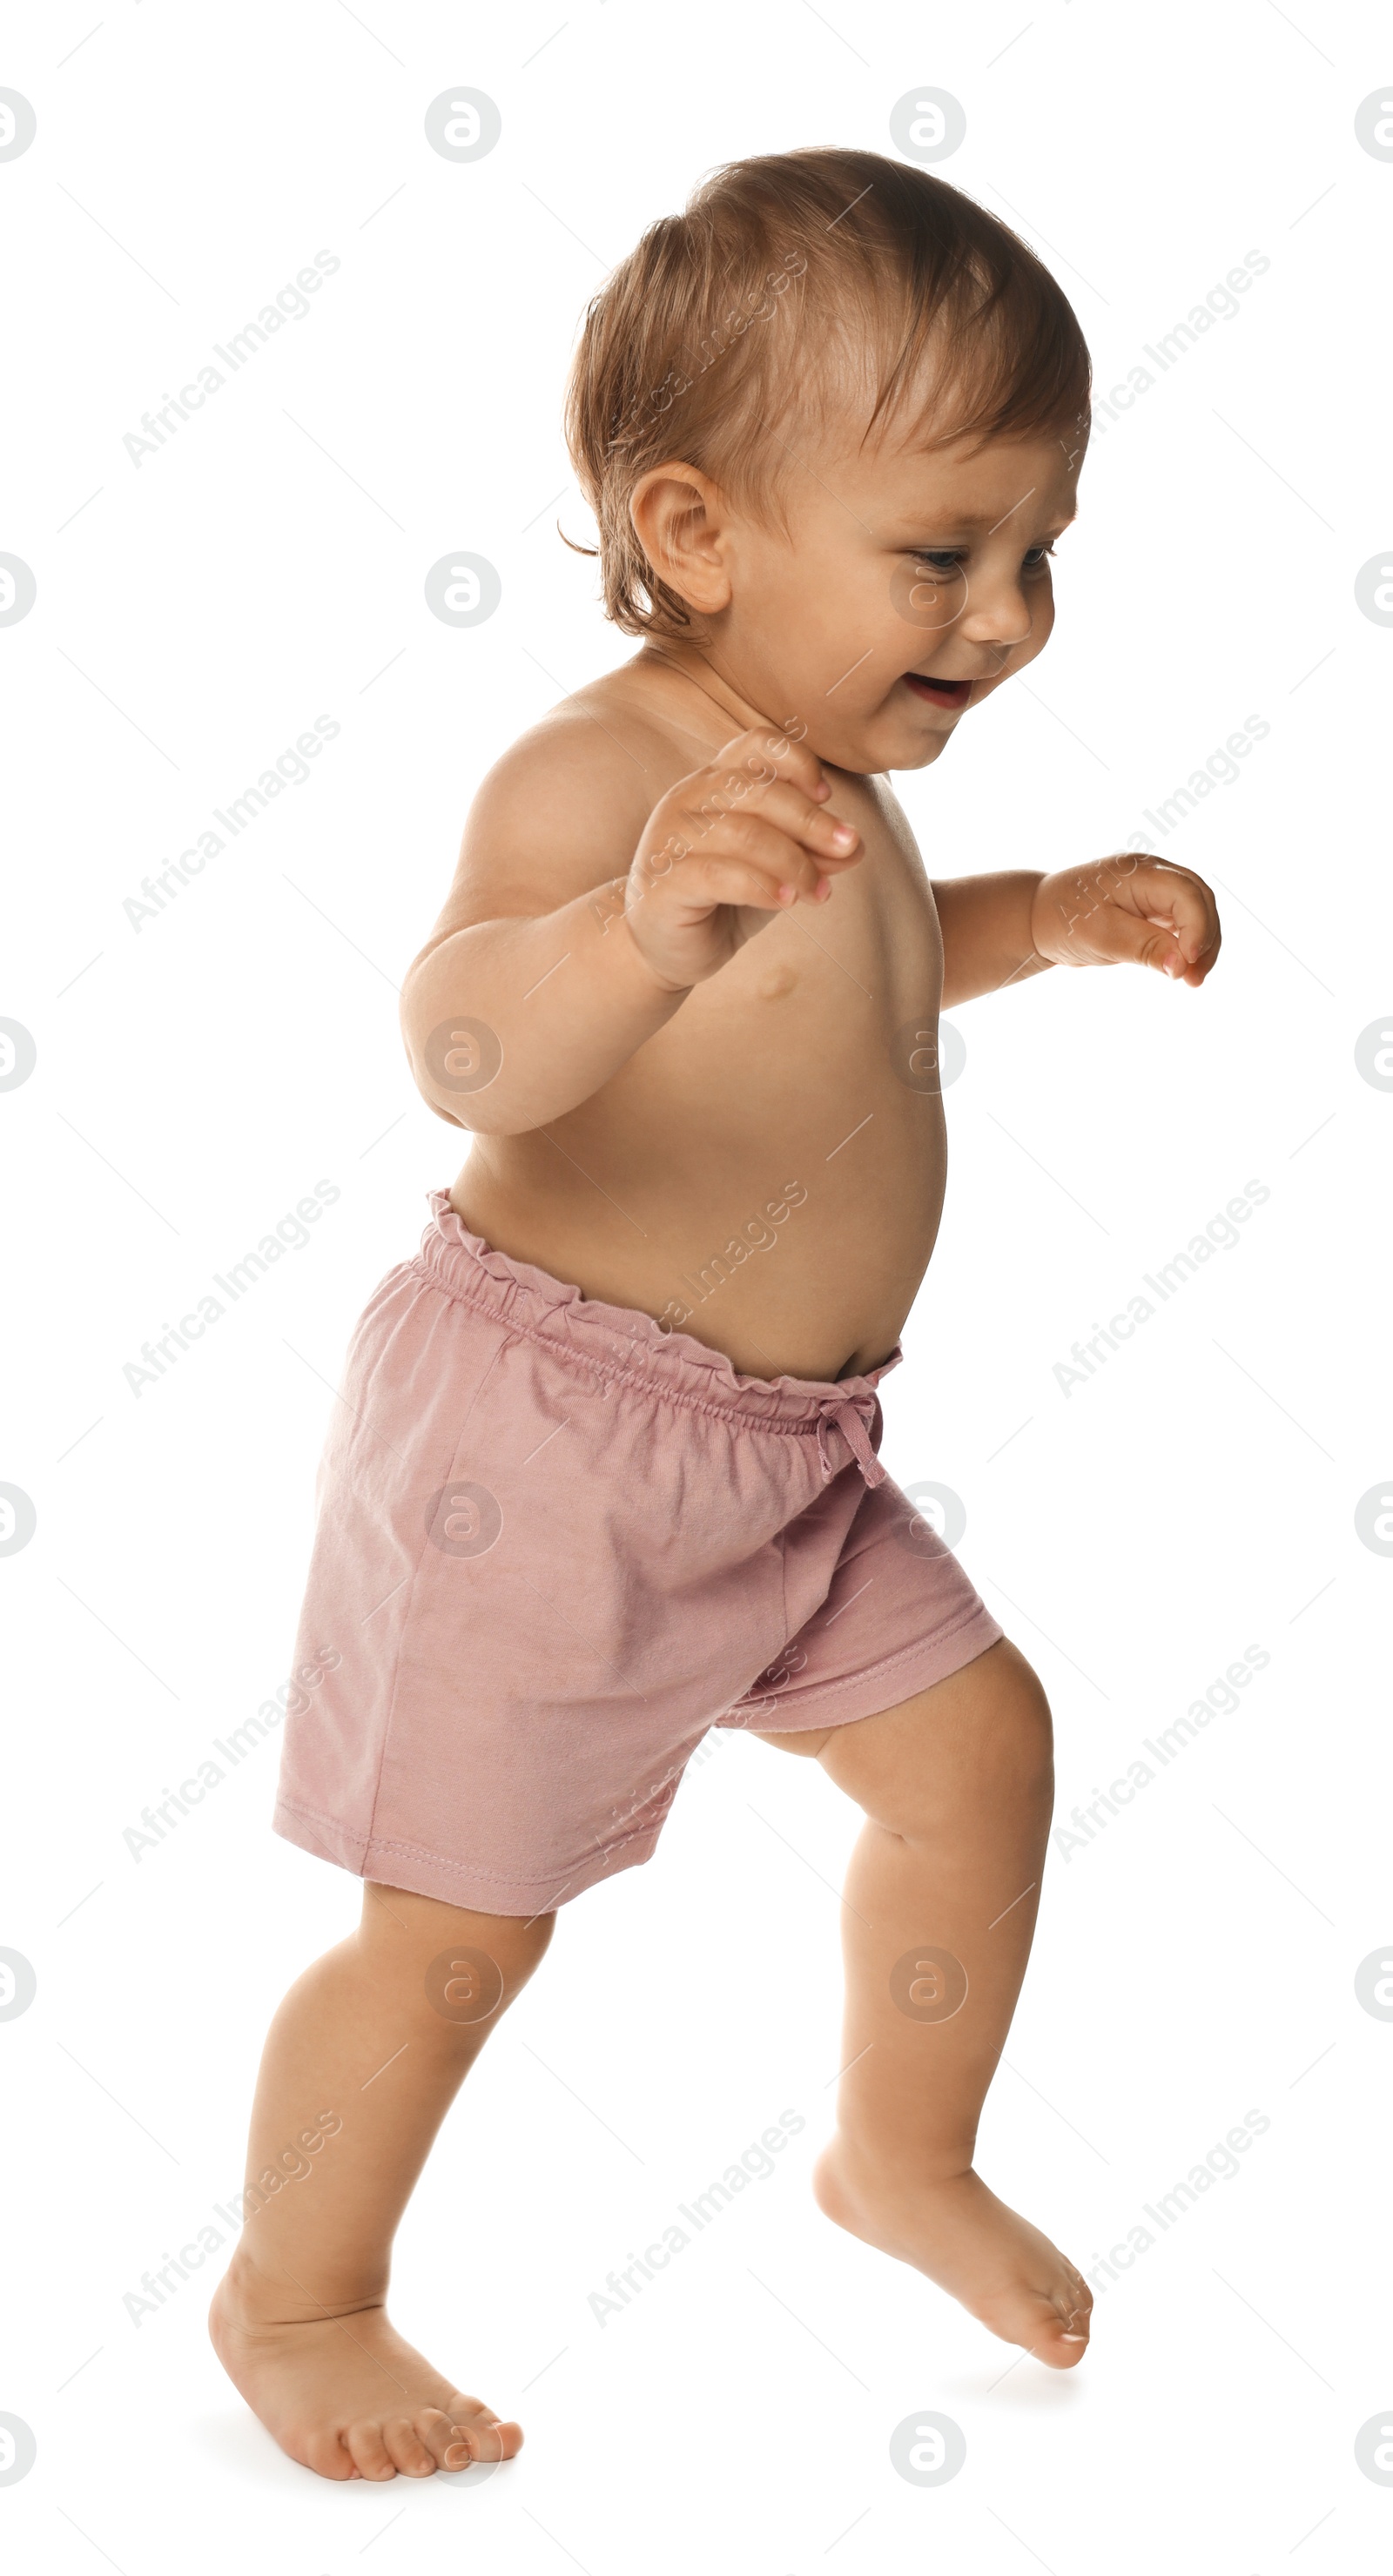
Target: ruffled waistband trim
[{"x": 621, "y": 1340}]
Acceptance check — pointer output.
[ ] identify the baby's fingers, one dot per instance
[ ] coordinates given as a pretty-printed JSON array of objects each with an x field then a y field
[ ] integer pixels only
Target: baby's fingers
[
  {"x": 710, "y": 879},
  {"x": 777, "y": 856},
  {"x": 1175, "y": 899},
  {"x": 730, "y": 800},
  {"x": 1152, "y": 940},
  {"x": 764, "y": 753}
]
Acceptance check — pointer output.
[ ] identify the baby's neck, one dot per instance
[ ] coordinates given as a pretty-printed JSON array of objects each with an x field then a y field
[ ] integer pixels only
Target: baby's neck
[{"x": 700, "y": 666}]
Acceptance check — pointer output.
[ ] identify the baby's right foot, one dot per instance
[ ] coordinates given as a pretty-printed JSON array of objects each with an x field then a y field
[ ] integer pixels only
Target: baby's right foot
[{"x": 345, "y": 2396}]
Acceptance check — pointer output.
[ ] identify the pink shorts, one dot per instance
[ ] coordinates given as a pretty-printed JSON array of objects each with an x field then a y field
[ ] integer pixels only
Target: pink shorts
[{"x": 555, "y": 1544}]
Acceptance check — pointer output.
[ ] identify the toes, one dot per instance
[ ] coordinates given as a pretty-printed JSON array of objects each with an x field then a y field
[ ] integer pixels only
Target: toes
[
  {"x": 475, "y": 2434},
  {"x": 460, "y": 2437},
  {"x": 495, "y": 2438},
  {"x": 438, "y": 2433},
  {"x": 492, "y": 2438},
  {"x": 466, "y": 2433},
  {"x": 406, "y": 2449},
  {"x": 324, "y": 2453},
  {"x": 368, "y": 2451},
  {"x": 1066, "y": 2342},
  {"x": 1076, "y": 2305},
  {"x": 472, "y": 2443}
]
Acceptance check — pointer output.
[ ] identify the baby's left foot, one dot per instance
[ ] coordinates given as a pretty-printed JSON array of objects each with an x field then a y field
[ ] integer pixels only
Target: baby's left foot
[{"x": 1000, "y": 2267}]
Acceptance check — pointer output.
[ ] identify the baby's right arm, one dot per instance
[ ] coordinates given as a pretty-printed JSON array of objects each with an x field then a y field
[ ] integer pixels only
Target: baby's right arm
[{"x": 521, "y": 1006}]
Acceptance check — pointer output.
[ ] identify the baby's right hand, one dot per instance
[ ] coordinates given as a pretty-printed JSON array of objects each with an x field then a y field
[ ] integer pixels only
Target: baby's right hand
[{"x": 727, "y": 848}]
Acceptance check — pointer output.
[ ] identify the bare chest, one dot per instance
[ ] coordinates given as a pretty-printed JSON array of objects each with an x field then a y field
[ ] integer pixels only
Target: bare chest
[{"x": 842, "y": 994}]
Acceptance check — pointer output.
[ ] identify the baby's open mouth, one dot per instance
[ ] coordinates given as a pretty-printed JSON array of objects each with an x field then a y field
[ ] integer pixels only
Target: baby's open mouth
[{"x": 939, "y": 693}]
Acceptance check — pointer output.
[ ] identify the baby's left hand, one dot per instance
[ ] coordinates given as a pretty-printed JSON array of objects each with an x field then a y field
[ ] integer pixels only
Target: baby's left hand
[{"x": 1137, "y": 909}]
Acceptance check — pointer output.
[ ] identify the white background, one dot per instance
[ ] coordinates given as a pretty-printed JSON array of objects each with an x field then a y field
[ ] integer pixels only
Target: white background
[{"x": 195, "y": 1077}]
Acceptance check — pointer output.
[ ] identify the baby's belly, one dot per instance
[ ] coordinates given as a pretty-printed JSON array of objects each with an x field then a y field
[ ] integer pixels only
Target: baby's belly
[{"x": 786, "y": 1222}]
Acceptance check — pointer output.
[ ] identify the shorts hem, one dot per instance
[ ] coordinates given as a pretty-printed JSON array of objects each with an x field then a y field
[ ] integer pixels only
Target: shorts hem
[
  {"x": 423, "y": 1872},
  {"x": 880, "y": 1686}
]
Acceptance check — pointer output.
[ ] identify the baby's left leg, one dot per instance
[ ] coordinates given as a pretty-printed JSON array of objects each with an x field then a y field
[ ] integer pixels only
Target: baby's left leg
[{"x": 944, "y": 1883}]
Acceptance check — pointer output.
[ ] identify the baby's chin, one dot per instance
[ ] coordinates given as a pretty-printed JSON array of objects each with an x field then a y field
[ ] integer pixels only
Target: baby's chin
[
  {"x": 919, "y": 755},
  {"x": 890, "y": 744}
]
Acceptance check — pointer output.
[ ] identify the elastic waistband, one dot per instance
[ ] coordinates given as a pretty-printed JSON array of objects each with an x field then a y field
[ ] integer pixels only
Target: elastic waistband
[{"x": 626, "y": 1347}]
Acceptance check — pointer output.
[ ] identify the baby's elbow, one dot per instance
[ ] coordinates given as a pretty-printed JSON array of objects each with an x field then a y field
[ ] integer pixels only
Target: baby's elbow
[
  {"x": 477, "y": 1116},
  {"x": 455, "y": 1064},
  {"x": 493, "y": 1120}
]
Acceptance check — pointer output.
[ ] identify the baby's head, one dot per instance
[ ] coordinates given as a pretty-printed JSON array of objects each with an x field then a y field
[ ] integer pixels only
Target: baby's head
[{"x": 829, "y": 421}]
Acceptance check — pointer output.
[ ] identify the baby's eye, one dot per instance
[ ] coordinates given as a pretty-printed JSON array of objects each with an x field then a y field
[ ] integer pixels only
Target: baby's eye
[
  {"x": 940, "y": 559},
  {"x": 1036, "y": 558}
]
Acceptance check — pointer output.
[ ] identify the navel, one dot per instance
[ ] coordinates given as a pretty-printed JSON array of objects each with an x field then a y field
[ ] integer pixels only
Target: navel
[{"x": 778, "y": 981}]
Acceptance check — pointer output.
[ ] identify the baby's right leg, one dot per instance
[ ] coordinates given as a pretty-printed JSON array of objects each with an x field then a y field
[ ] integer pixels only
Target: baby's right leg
[{"x": 366, "y": 2040}]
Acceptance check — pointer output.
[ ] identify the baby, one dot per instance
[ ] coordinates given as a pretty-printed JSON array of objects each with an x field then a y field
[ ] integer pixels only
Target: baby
[{"x": 603, "y": 1471}]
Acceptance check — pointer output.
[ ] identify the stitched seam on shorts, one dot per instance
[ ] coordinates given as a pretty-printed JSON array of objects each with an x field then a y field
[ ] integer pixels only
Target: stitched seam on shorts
[
  {"x": 870, "y": 1672},
  {"x": 316, "y": 1816},
  {"x": 425, "y": 1851},
  {"x": 587, "y": 1366},
  {"x": 506, "y": 1878}
]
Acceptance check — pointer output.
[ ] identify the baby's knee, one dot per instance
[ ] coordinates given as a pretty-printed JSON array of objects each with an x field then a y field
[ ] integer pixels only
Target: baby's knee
[
  {"x": 997, "y": 1756},
  {"x": 1019, "y": 1733},
  {"x": 448, "y": 1969}
]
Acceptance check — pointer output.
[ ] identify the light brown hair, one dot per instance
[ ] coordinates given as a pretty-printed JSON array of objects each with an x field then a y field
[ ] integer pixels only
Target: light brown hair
[{"x": 787, "y": 276}]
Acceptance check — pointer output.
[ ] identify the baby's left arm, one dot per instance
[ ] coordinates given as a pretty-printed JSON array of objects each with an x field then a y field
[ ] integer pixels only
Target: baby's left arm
[{"x": 998, "y": 929}]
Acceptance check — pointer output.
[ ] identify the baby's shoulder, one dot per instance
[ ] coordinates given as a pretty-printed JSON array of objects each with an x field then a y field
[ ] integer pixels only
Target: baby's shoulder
[
  {"x": 564, "y": 807},
  {"x": 593, "y": 758},
  {"x": 563, "y": 810}
]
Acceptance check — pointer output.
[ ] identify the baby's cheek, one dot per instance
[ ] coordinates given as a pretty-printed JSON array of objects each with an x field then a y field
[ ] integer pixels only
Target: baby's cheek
[{"x": 1041, "y": 617}]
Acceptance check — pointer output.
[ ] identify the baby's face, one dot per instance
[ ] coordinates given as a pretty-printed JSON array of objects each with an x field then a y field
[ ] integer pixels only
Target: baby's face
[{"x": 907, "y": 588}]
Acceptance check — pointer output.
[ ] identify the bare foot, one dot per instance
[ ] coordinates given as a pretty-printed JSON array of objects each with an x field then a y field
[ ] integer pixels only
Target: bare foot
[
  {"x": 1000, "y": 2267},
  {"x": 345, "y": 2395}
]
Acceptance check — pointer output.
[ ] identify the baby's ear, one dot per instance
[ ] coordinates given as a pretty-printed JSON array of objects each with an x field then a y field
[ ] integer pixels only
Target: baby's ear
[{"x": 679, "y": 517}]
